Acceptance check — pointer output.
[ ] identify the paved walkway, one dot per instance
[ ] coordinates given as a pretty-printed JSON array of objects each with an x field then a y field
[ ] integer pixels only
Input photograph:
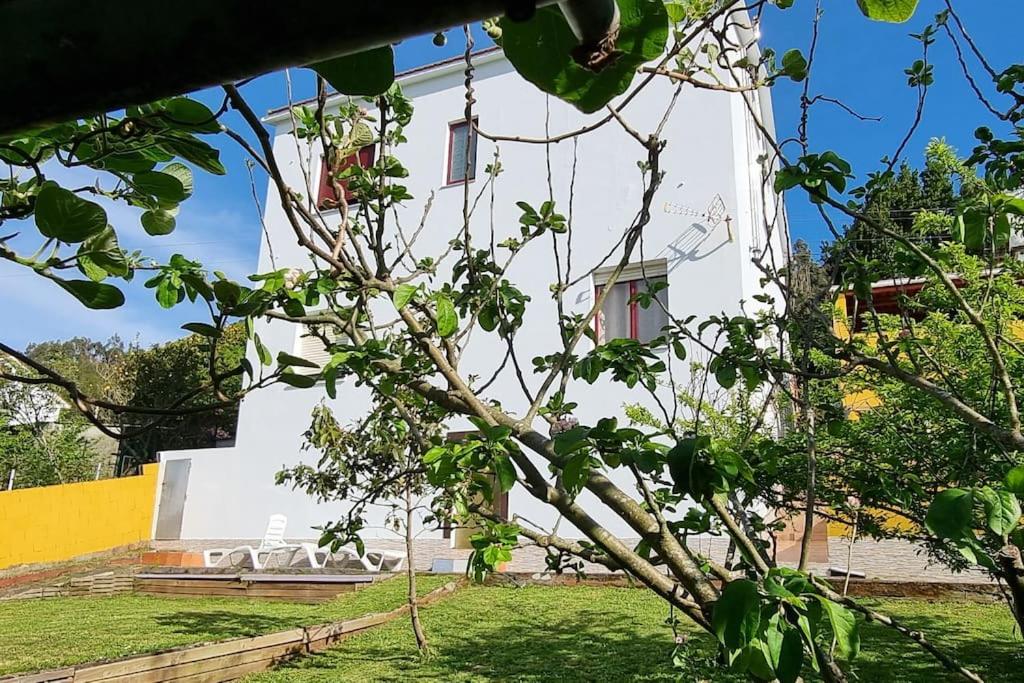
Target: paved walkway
[{"x": 887, "y": 560}]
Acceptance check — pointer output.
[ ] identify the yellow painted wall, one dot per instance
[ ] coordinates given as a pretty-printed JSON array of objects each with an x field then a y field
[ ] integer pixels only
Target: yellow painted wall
[
  {"x": 855, "y": 402},
  {"x": 890, "y": 521},
  {"x": 54, "y": 523}
]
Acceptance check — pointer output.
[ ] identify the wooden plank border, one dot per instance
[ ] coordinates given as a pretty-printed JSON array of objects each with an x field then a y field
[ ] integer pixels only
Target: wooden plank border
[
  {"x": 227, "y": 660},
  {"x": 310, "y": 588}
]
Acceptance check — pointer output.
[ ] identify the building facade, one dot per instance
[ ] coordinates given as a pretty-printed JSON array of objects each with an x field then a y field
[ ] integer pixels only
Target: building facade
[{"x": 708, "y": 223}]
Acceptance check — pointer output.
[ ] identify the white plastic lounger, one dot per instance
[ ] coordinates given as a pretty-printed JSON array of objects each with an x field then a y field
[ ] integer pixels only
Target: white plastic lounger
[
  {"x": 371, "y": 561},
  {"x": 273, "y": 543}
]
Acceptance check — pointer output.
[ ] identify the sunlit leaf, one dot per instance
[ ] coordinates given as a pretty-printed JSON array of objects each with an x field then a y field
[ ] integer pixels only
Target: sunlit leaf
[
  {"x": 894, "y": 11},
  {"x": 541, "y": 51}
]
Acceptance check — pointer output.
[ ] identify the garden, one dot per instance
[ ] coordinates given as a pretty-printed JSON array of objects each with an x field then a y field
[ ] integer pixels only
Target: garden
[
  {"x": 503, "y": 631},
  {"x": 610, "y": 350}
]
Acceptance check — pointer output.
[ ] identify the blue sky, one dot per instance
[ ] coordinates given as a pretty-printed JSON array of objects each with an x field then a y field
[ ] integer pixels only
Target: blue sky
[{"x": 859, "y": 62}]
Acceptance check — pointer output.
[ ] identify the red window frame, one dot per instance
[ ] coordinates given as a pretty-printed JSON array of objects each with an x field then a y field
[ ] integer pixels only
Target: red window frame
[
  {"x": 634, "y": 311},
  {"x": 452, "y": 128},
  {"x": 326, "y": 199}
]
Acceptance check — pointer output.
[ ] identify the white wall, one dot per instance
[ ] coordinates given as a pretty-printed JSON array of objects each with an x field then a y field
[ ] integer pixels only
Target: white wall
[{"x": 709, "y": 152}]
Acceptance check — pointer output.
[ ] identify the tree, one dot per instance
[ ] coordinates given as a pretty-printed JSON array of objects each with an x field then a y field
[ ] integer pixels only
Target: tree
[
  {"x": 901, "y": 466},
  {"x": 770, "y": 621},
  {"x": 93, "y": 365},
  {"x": 175, "y": 369},
  {"x": 898, "y": 200},
  {"x": 374, "y": 463},
  {"x": 41, "y": 441}
]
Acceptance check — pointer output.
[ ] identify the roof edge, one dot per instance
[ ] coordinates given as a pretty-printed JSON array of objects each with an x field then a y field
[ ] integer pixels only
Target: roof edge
[{"x": 413, "y": 75}]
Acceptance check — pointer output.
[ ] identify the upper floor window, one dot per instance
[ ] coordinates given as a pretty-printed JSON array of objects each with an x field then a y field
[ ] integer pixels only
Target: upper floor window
[
  {"x": 461, "y": 152},
  {"x": 623, "y": 314},
  {"x": 326, "y": 197},
  {"x": 313, "y": 344}
]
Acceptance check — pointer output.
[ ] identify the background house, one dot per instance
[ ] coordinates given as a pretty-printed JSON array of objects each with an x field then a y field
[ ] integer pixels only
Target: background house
[{"x": 707, "y": 226}]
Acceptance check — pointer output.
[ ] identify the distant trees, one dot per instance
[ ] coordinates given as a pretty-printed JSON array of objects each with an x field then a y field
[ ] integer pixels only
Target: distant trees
[
  {"x": 155, "y": 375},
  {"x": 40, "y": 442},
  {"x": 918, "y": 204},
  {"x": 47, "y": 441}
]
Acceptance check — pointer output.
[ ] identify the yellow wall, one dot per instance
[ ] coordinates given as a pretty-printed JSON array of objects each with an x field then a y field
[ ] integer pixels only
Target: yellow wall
[
  {"x": 890, "y": 521},
  {"x": 54, "y": 523}
]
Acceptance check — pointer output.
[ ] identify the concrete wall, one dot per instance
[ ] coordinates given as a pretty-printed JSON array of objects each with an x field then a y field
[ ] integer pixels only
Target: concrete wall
[
  {"x": 54, "y": 523},
  {"x": 712, "y": 151}
]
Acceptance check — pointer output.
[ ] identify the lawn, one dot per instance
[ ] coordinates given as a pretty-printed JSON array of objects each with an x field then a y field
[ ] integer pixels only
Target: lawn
[
  {"x": 616, "y": 634},
  {"x": 55, "y": 632},
  {"x": 533, "y": 633}
]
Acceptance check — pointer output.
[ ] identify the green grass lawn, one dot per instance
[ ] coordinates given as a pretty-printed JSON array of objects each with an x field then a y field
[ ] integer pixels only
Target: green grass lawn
[
  {"x": 55, "y": 632},
  {"x": 480, "y": 634},
  {"x": 617, "y": 634}
]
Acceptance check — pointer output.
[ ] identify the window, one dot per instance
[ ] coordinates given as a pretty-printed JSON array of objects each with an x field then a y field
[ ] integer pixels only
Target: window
[
  {"x": 621, "y": 315},
  {"x": 310, "y": 345},
  {"x": 461, "y": 147},
  {"x": 326, "y": 199}
]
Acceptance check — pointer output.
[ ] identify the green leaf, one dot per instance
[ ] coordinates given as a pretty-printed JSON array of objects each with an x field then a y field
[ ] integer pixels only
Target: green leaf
[
  {"x": 167, "y": 295},
  {"x": 676, "y": 11},
  {"x": 791, "y": 657},
  {"x": 262, "y": 351},
  {"x": 195, "y": 115},
  {"x": 893, "y": 11},
  {"x": 369, "y": 73},
  {"x": 844, "y": 627},
  {"x": 158, "y": 222},
  {"x": 726, "y": 375},
  {"x": 63, "y": 215},
  {"x": 541, "y": 51},
  {"x": 447, "y": 319},
  {"x": 95, "y": 295},
  {"x": 1002, "y": 511},
  {"x": 949, "y": 515},
  {"x": 184, "y": 175},
  {"x": 331, "y": 380},
  {"x": 575, "y": 472},
  {"x": 737, "y": 614},
  {"x": 287, "y": 359},
  {"x": 100, "y": 256},
  {"x": 298, "y": 381},
  {"x": 505, "y": 471},
  {"x": 202, "y": 329},
  {"x": 360, "y": 136},
  {"x": 794, "y": 65},
  {"x": 1015, "y": 480},
  {"x": 164, "y": 186},
  {"x": 196, "y": 151},
  {"x": 404, "y": 294}
]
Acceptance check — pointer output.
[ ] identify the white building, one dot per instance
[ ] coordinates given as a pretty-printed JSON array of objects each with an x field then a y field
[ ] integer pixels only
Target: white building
[{"x": 714, "y": 159}]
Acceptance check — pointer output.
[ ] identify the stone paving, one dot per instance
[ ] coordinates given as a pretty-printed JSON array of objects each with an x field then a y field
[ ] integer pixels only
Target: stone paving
[{"x": 891, "y": 560}]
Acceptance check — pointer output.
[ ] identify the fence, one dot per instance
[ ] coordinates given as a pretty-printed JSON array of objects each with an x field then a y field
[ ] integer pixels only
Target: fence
[{"x": 55, "y": 523}]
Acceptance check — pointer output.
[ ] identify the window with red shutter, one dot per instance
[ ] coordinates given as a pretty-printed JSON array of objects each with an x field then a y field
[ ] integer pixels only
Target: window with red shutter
[
  {"x": 326, "y": 198},
  {"x": 622, "y": 315}
]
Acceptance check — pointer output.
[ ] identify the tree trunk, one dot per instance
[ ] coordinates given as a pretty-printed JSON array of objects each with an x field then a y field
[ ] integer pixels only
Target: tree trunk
[
  {"x": 410, "y": 571},
  {"x": 1012, "y": 571},
  {"x": 830, "y": 671},
  {"x": 812, "y": 458}
]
